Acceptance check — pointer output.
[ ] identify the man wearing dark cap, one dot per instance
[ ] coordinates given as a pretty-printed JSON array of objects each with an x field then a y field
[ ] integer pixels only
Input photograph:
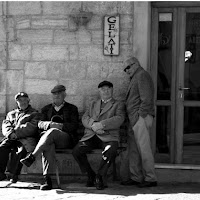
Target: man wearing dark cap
[
  {"x": 58, "y": 125},
  {"x": 102, "y": 121},
  {"x": 140, "y": 110},
  {"x": 20, "y": 136}
]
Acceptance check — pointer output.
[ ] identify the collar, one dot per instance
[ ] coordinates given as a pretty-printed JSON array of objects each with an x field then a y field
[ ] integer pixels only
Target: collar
[
  {"x": 106, "y": 101},
  {"x": 57, "y": 108}
]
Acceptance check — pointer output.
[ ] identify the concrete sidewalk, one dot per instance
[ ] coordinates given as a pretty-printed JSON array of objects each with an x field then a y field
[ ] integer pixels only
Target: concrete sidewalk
[{"x": 30, "y": 190}]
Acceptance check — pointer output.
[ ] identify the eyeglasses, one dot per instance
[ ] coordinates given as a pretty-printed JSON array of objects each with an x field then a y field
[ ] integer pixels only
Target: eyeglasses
[{"x": 129, "y": 66}]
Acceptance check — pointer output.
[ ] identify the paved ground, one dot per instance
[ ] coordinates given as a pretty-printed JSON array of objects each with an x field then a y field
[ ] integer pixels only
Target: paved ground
[{"x": 165, "y": 191}]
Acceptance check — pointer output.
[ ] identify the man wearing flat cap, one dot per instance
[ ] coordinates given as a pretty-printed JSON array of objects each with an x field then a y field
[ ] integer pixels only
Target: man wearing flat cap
[
  {"x": 59, "y": 126},
  {"x": 20, "y": 132},
  {"x": 102, "y": 121},
  {"x": 140, "y": 110}
]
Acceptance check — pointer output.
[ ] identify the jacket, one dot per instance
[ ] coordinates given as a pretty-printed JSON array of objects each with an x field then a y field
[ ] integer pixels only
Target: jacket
[
  {"x": 140, "y": 96},
  {"x": 24, "y": 124},
  {"x": 111, "y": 117},
  {"x": 70, "y": 119}
]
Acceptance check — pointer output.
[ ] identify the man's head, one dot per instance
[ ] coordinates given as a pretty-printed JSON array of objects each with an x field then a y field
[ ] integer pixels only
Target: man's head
[
  {"x": 105, "y": 90},
  {"x": 131, "y": 65},
  {"x": 58, "y": 94},
  {"x": 22, "y": 100}
]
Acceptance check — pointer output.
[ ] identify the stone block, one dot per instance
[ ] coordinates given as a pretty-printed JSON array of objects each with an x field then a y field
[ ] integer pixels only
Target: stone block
[
  {"x": 73, "y": 52},
  {"x": 24, "y": 7},
  {"x": 2, "y": 82},
  {"x": 2, "y": 29},
  {"x": 38, "y": 86},
  {"x": 97, "y": 37},
  {"x": 50, "y": 22},
  {"x": 126, "y": 22},
  {"x": 60, "y": 8},
  {"x": 92, "y": 53},
  {"x": 96, "y": 23},
  {"x": 19, "y": 52},
  {"x": 84, "y": 36},
  {"x": 15, "y": 65},
  {"x": 15, "y": 79},
  {"x": 93, "y": 70},
  {"x": 126, "y": 7},
  {"x": 126, "y": 37},
  {"x": 35, "y": 36},
  {"x": 35, "y": 70},
  {"x": 64, "y": 37},
  {"x": 2, "y": 104},
  {"x": 53, "y": 69},
  {"x": 2, "y": 55},
  {"x": 74, "y": 70},
  {"x": 50, "y": 52},
  {"x": 23, "y": 22}
]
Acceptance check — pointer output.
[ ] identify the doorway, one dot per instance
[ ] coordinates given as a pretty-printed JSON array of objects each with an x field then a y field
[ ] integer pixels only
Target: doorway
[{"x": 175, "y": 61}]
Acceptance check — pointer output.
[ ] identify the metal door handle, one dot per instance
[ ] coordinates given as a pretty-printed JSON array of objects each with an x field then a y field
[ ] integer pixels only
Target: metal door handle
[{"x": 180, "y": 88}]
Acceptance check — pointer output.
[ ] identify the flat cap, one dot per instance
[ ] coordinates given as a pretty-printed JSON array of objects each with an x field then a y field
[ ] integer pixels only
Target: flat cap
[
  {"x": 105, "y": 83},
  {"x": 21, "y": 94},
  {"x": 58, "y": 88}
]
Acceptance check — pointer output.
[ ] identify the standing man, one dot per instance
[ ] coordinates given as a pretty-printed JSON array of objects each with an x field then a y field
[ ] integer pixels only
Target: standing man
[
  {"x": 59, "y": 125},
  {"x": 140, "y": 110},
  {"x": 102, "y": 121},
  {"x": 21, "y": 133}
]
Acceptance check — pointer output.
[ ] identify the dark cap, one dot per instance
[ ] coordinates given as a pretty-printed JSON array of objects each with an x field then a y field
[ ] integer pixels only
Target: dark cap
[
  {"x": 58, "y": 88},
  {"x": 21, "y": 94},
  {"x": 105, "y": 83}
]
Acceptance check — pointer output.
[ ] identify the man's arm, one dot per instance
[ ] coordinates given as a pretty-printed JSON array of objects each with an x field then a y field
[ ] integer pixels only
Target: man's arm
[{"x": 7, "y": 126}]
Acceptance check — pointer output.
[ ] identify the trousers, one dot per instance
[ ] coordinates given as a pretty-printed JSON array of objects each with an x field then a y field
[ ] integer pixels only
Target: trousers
[
  {"x": 50, "y": 140},
  {"x": 109, "y": 151},
  {"x": 11, "y": 152}
]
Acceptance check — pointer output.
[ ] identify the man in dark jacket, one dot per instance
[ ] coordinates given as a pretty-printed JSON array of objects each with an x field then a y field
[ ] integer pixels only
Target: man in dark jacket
[
  {"x": 59, "y": 125},
  {"x": 140, "y": 110},
  {"x": 21, "y": 132}
]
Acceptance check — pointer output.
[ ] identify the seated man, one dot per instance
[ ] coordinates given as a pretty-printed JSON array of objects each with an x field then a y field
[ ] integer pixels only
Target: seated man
[
  {"x": 102, "y": 122},
  {"x": 21, "y": 132},
  {"x": 59, "y": 124}
]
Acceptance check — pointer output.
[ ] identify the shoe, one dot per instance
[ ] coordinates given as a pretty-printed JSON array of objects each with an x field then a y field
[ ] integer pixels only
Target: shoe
[
  {"x": 47, "y": 185},
  {"x": 129, "y": 182},
  {"x": 14, "y": 179},
  {"x": 2, "y": 177},
  {"x": 90, "y": 181},
  {"x": 28, "y": 160},
  {"x": 99, "y": 182},
  {"x": 147, "y": 184}
]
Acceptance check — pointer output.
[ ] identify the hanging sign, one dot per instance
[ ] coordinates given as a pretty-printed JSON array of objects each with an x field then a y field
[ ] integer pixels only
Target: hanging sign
[{"x": 111, "y": 35}]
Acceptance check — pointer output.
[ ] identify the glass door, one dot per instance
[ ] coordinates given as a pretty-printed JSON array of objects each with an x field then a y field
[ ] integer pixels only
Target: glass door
[{"x": 175, "y": 61}]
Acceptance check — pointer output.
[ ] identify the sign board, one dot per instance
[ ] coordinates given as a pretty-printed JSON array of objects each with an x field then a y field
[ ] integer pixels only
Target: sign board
[{"x": 111, "y": 35}]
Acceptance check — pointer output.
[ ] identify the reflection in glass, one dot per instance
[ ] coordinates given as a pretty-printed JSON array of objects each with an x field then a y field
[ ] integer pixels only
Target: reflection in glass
[
  {"x": 163, "y": 127},
  {"x": 164, "y": 56},
  {"x": 192, "y": 64},
  {"x": 191, "y": 137}
]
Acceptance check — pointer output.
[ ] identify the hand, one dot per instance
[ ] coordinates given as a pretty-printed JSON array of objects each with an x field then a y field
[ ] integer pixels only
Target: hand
[
  {"x": 96, "y": 126},
  {"x": 100, "y": 131},
  {"x": 13, "y": 136},
  {"x": 56, "y": 125}
]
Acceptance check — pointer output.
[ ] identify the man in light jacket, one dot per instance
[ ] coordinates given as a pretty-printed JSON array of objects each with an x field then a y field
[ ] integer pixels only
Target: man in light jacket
[
  {"x": 20, "y": 136},
  {"x": 102, "y": 121}
]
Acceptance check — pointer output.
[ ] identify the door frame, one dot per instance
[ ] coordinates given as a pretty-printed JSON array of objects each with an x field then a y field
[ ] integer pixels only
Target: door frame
[{"x": 179, "y": 10}]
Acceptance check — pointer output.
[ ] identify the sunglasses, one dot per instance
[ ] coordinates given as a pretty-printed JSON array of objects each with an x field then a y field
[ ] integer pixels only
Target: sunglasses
[{"x": 128, "y": 67}]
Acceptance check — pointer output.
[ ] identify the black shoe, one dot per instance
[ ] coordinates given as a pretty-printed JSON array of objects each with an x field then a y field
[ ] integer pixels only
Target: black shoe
[
  {"x": 2, "y": 177},
  {"x": 28, "y": 160},
  {"x": 99, "y": 182},
  {"x": 147, "y": 184},
  {"x": 47, "y": 185},
  {"x": 90, "y": 181},
  {"x": 14, "y": 179},
  {"x": 130, "y": 182}
]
